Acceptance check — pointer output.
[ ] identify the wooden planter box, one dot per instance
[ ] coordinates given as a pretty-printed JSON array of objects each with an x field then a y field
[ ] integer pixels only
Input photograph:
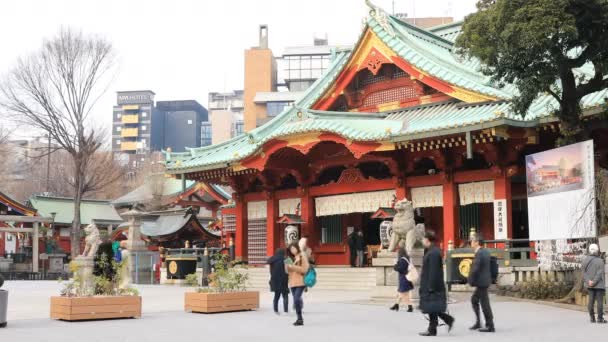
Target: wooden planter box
[
  {"x": 221, "y": 302},
  {"x": 91, "y": 308}
]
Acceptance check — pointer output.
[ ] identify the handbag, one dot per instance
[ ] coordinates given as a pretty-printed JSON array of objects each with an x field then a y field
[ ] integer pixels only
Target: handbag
[{"x": 412, "y": 273}]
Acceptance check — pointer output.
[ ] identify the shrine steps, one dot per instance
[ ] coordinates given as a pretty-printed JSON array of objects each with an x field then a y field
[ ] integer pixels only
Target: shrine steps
[{"x": 328, "y": 278}]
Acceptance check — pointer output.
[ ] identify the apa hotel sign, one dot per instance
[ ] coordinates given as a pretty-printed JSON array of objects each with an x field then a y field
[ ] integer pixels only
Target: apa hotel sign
[{"x": 135, "y": 97}]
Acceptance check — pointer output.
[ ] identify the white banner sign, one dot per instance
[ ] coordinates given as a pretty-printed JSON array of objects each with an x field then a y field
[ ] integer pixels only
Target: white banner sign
[
  {"x": 561, "y": 193},
  {"x": 501, "y": 225}
]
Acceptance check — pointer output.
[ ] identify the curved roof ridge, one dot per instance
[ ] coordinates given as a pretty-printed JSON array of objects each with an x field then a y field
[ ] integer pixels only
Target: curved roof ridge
[
  {"x": 403, "y": 41},
  {"x": 432, "y": 29},
  {"x": 423, "y": 32}
]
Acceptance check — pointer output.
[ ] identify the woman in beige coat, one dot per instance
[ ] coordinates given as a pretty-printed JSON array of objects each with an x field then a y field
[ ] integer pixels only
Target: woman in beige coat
[{"x": 296, "y": 267}]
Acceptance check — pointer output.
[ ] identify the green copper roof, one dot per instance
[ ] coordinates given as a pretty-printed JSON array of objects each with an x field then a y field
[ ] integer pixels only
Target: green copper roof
[
  {"x": 90, "y": 210},
  {"x": 433, "y": 55},
  {"x": 447, "y": 31},
  {"x": 429, "y": 51},
  {"x": 170, "y": 187}
]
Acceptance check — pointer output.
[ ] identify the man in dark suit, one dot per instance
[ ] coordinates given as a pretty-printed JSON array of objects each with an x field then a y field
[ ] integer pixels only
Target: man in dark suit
[
  {"x": 433, "y": 297},
  {"x": 480, "y": 277}
]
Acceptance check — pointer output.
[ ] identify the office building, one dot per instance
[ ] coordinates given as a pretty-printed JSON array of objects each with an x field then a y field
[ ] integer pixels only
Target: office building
[
  {"x": 182, "y": 122},
  {"x": 141, "y": 126},
  {"x": 137, "y": 126},
  {"x": 274, "y": 83},
  {"x": 225, "y": 116}
]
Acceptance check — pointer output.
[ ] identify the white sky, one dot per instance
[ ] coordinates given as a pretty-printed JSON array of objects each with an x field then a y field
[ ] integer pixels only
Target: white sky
[{"x": 184, "y": 49}]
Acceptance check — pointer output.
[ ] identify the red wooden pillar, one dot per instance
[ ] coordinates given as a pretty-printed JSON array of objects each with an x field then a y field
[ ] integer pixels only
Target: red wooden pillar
[
  {"x": 502, "y": 190},
  {"x": 450, "y": 213},
  {"x": 402, "y": 190},
  {"x": 307, "y": 209},
  {"x": 272, "y": 233},
  {"x": 241, "y": 228}
]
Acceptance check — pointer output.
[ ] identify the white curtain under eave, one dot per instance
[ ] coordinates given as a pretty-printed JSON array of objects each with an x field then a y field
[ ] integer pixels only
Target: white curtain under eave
[
  {"x": 476, "y": 192},
  {"x": 362, "y": 202},
  {"x": 256, "y": 210},
  {"x": 288, "y": 206},
  {"x": 427, "y": 196}
]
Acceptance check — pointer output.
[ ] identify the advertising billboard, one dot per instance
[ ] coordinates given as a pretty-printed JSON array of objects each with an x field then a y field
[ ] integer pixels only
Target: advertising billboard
[{"x": 561, "y": 193}]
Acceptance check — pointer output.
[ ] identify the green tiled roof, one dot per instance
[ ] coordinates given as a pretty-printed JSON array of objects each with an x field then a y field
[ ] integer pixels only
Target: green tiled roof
[
  {"x": 171, "y": 187},
  {"x": 447, "y": 31},
  {"x": 90, "y": 210},
  {"x": 429, "y": 51},
  {"x": 433, "y": 55}
]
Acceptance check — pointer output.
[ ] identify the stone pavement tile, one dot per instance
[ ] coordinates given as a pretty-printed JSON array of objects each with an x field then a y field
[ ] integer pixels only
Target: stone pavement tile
[{"x": 328, "y": 317}]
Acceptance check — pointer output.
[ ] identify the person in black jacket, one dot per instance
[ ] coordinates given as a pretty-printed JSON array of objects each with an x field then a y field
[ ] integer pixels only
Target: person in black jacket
[
  {"x": 278, "y": 280},
  {"x": 480, "y": 278},
  {"x": 352, "y": 246},
  {"x": 360, "y": 246},
  {"x": 433, "y": 298}
]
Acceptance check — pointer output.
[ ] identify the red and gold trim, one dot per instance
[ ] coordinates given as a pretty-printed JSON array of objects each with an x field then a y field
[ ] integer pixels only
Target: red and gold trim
[{"x": 371, "y": 53}]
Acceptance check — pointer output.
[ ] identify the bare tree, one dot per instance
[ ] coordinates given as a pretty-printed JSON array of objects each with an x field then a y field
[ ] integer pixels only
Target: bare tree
[
  {"x": 596, "y": 200},
  {"x": 55, "y": 90}
]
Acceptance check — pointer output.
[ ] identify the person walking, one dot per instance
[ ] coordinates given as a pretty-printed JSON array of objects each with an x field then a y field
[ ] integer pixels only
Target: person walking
[
  {"x": 433, "y": 298},
  {"x": 296, "y": 267},
  {"x": 360, "y": 247},
  {"x": 405, "y": 286},
  {"x": 278, "y": 280},
  {"x": 480, "y": 278},
  {"x": 594, "y": 276},
  {"x": 352, "y": 247}
]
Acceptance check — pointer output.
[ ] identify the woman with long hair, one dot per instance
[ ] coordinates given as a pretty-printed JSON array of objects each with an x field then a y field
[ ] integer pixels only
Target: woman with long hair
[
  {"x": 278, "y": 280},
  {"x": 405, "y": 286},
  {"x": 296, "y": 266}
]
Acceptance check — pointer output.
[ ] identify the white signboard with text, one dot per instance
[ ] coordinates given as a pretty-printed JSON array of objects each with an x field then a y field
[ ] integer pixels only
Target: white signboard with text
[
  {"x": 500, "y": 219},
  {"x": 561, "y": 193}
]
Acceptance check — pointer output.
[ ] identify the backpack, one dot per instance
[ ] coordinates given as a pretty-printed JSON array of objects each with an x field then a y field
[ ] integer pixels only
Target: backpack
[
  {"x": 494, "y": 268},
  {"x": 310, "y": 278},
  {"x": 412, "y": 273}
]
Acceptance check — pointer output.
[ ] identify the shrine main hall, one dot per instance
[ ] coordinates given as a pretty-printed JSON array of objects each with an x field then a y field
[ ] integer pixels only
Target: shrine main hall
[{"x": 400, "y": 115}]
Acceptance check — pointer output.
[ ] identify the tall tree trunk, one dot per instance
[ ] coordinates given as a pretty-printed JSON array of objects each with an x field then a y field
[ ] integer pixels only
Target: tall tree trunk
[
  {"x": 78, "y": 187},
  {"x": 571, "y": 124}
]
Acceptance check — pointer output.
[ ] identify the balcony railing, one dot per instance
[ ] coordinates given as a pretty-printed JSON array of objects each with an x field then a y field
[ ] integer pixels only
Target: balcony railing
[
  {"x": 128, "y": 146},
  {"x": 129, "y": 132},
  {"x": 130, "y": 119}
]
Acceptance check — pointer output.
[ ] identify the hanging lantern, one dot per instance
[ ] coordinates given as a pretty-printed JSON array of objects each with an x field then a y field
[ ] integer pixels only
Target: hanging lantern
[
  {"x": 386, "y": 233},
  {"x": 291, "y": 235}
]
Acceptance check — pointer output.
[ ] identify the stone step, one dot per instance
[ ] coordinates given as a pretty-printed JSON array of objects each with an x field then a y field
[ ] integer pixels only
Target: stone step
[{"x": 328, "y": 278}]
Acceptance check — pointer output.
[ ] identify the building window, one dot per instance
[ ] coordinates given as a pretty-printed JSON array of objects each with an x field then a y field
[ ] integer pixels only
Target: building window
[
  {"x": 275, "y": 108},
  {"x": 118, "y": 128},
  {"x": 118, "y": 115},
  {"x": 331, "y": 229},
  {"x": 144, "y": 127},
  {"x": 304, "y": 67},
  {"x": 189, "y": 122},
  {"x": 143, "y": 142},
  {"x": 206, "y": 134},
  {"x": 238, "y": 128},
  {"x": 144, "y": 114},
  {"x": 117, "y": 141}
]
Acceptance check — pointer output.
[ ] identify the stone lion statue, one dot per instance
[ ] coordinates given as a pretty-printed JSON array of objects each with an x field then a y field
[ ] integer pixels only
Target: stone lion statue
[
  {"x": 92, "y": 240},
  {"x": 405, "y": 230}
]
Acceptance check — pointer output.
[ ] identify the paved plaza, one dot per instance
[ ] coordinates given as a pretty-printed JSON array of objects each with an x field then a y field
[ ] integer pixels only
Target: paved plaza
[{"x": 329, "y": 315}]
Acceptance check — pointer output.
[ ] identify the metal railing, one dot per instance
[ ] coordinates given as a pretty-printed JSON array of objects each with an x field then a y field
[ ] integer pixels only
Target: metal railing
[{"x": 514, "y": 252}]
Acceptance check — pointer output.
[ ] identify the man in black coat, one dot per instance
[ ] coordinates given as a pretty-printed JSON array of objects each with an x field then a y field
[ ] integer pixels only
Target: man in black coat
[
  {"x": 360, "y": 247},
  {"x": 352, "y": 246},
  {"x": 433, "y": 298},
  {"x": 480, "y": 277}
]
